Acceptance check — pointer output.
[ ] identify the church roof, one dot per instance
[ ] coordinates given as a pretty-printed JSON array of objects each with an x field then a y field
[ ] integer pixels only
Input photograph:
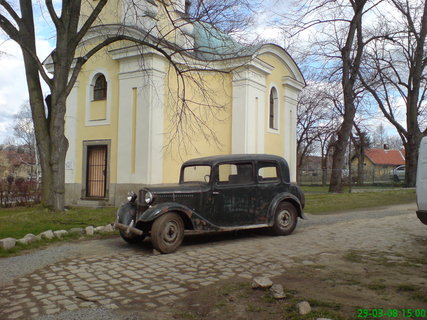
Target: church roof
[{"x": 213, "y": 44}]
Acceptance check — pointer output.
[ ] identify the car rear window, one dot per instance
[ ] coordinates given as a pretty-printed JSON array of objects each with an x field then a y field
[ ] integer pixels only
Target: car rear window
[{"x": 268, "y": 172}]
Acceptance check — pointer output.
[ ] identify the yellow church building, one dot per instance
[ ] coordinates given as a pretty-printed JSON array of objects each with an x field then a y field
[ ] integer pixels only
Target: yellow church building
[{"x": 122, "y": 119}]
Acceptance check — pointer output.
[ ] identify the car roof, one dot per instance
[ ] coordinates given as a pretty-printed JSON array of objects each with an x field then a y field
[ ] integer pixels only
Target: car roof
[{"x": 234, "y": 157}]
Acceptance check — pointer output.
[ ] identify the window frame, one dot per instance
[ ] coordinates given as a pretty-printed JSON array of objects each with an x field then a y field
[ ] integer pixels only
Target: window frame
[
  {"x": 237, "y": 163},
  {"x": 260, "y": 165},
  {"x": 273, "y": 109},
  {"x": 99, "y": 92}
]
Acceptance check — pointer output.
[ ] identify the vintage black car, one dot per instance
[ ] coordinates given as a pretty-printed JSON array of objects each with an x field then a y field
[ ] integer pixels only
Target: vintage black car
[{"x": 217, "y": 193}]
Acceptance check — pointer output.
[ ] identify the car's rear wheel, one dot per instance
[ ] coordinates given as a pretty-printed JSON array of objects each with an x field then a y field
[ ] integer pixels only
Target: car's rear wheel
[
  {"x": 285, "y": 219},
  {"x": 167, "y": 232}
]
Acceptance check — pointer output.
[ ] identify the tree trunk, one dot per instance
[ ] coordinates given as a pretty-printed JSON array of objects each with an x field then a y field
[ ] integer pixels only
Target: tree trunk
[
  {"x": 411, "y": 152},
  {"x": 361, "y": 167},
  {"x": 340, "y": 147}
]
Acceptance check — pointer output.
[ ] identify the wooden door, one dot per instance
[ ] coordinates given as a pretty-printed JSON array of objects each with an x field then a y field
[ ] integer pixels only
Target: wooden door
[{"x": 96, "y": 171}]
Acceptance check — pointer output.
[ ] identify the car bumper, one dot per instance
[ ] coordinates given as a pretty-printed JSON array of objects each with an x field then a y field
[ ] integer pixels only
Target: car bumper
[
  {"x": 128, "y": 229},
  {"x": 422, "y": 215}
]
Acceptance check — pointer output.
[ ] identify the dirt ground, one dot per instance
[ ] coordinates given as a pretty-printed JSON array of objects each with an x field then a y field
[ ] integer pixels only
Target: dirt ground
[
  {"x": 337, "y": 287},
  {"x": 351, "y": 265}
]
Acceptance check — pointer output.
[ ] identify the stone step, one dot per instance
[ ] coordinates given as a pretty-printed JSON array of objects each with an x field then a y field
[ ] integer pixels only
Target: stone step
[{"x": 91, "y": 203}]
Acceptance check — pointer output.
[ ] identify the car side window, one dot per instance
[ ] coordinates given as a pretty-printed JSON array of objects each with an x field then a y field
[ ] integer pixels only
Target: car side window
[
  {"x": 267, "y": 172},
  {"x": 235, "y": 173}
]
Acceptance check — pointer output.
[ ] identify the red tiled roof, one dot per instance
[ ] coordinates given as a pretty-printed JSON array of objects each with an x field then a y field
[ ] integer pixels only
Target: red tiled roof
[{"x": 386, "y": 157}]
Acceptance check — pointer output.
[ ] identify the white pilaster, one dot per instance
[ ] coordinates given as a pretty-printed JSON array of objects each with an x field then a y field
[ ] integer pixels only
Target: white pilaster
[
  {"x": 248, "y": 117},
  {"x": 292, "y": 89},
  {"x": 147, "y": 75}
]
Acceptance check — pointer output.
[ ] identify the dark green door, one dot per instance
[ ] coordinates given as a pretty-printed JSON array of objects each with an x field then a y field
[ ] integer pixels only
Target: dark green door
[{"x": 233, "y": 193}]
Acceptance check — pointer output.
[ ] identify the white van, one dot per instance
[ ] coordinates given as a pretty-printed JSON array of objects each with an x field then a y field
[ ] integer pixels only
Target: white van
[{"x": 422, "y": 182}]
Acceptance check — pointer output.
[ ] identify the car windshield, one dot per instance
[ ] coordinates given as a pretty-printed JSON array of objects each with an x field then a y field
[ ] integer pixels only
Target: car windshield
[{"x": 199, "y": 173}]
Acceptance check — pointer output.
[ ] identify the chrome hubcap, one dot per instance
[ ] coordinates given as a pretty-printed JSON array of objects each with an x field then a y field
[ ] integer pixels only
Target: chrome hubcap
[
  {"x": 171, "y": 232},
  {"x": 284, "y": 218}
]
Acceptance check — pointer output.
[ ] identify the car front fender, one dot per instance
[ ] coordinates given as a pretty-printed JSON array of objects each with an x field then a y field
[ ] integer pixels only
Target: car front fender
[
  {"x": 156, "y": 211},
  {"x": 284, "y": 197},
  {"x": 126, "y": 213}
]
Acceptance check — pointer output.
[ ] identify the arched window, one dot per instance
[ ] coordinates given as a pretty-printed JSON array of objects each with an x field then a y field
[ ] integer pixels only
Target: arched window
[
  {"x": 100, "y": 88},
  {"x": 273, "y": 114}
]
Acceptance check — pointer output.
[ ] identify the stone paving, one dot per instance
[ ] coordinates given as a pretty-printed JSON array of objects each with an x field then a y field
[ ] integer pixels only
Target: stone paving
[{"x": 123, "y": 279}]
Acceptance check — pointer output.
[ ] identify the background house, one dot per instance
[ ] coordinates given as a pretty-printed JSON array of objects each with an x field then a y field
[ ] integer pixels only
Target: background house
[
  {"x": 121, "y": 114},
  {"x": 379, "y": 162}
]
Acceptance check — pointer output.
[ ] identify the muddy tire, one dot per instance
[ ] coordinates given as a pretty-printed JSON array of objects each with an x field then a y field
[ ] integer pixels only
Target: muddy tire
[
  {"x": 285, "y": 219},
  {"x": 167, "y": 232}
]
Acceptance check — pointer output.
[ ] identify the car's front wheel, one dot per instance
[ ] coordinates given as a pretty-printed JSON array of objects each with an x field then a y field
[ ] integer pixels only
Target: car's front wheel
[
  {"x": 285, "y": 219},
  {"x": 167, "y": 232}
]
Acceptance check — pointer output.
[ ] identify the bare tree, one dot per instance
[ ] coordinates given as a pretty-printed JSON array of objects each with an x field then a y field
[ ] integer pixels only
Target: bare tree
[
  {"x": 316, "y": 122},
  {"x": 74, "y": 27},
  {"x": 361, "y": 142},
  {"x": 23, "y": 132},
  {"x": 395, "y": 72},
  {"x": 336, "y": 45}
]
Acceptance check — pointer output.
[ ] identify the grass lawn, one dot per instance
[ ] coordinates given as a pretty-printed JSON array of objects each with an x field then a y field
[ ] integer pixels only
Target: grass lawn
[
  {"x": 17, "y": 222},
  {"x": 323, "y": 203}
]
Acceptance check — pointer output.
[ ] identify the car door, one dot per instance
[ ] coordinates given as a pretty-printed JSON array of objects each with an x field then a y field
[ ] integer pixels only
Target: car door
[
  {"x": 234, "y": 194},
  {"x": 269, "y": 185}
]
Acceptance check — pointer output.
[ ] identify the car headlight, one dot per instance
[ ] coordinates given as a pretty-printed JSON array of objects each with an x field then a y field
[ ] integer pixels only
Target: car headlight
[
  {"x": 148, "y": 198},
  {"x": 131, "y": 196}
]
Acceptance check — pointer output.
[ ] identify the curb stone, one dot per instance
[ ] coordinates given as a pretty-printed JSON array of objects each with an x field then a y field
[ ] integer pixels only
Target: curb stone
[{"x": 9, "y": 243}]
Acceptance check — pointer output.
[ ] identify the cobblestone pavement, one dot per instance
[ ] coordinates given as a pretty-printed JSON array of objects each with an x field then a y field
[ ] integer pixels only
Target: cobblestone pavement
[{"x": 127, "y": 275}]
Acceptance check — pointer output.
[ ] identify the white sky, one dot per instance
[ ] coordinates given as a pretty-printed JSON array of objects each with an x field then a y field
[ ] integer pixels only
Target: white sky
[{"x": 13, "y": 86}]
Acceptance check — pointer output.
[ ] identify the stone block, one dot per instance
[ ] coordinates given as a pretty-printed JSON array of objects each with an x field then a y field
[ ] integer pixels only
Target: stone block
[
  {"x": 89, "y": 230},
  {"x": 47, "y": 235},
  {"x": 277, "y": 291},
  {"x": 7, "y": 243},
  {"x": 99, "y": 229},
  {"x": 303, "y": 307},
  {"x": 23, "y": 241},
  {"x": 261, "y": 282},
  {"x": 108, "y": 228},
  {"x": 76, "y": 231},
  {"x": 60, "y": 233},
  {"x": 32, "y": 238}
]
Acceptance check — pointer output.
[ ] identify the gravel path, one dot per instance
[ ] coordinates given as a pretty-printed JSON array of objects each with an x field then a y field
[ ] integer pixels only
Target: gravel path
[{"x": 101, "y": 279}]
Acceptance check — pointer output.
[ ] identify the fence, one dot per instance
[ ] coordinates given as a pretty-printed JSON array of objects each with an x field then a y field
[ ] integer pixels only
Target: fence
[
  {"x": 371, "y": 176},
  {"x": 18, "y": 192}
]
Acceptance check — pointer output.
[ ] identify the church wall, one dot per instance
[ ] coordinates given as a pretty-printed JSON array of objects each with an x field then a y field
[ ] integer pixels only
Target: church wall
[
  {"x": 216, "y": 113},
  {"x": 91, "y": 122},
  {"x": 282, "y": 141}
]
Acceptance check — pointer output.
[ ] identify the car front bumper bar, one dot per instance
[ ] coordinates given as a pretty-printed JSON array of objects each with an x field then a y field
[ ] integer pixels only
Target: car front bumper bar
[{"x": 128, "y": 229}]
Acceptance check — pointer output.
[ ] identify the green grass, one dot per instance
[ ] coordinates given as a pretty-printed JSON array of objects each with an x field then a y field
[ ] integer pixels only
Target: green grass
[
  {"x": 336, "y": 202},
  {"x": 17, "y": 222}
]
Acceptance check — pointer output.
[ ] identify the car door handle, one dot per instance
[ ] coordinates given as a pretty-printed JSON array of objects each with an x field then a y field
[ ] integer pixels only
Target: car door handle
[{"x": 215, "y": 192}]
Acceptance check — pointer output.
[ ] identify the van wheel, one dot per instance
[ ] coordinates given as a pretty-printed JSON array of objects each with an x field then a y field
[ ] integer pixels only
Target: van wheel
[
  {"x": 167, "y": 232},
  {"x": 285, "y": 219},
  {"x": 396, "y": 178}
]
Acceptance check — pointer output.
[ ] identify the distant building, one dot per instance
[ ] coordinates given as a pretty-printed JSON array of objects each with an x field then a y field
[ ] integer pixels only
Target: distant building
[
  {"x": 17, "y": 162},
  {"x": 381, "y": 160}
]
